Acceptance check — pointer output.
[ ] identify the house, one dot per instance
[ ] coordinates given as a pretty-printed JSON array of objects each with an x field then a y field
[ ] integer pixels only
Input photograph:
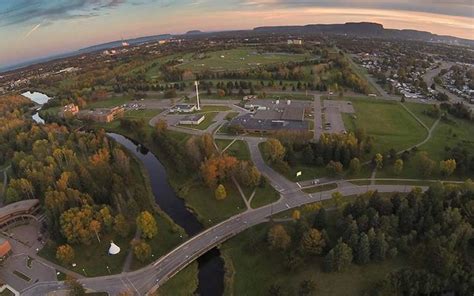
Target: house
[
  {"x": 192, "y": 119},
  {"x": 183, "y": 108}
]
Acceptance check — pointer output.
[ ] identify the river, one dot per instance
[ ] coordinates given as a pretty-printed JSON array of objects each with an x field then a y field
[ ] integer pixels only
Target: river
[
  {"x": 211, "y": 265},
  {"x": 38, "y": 98}
]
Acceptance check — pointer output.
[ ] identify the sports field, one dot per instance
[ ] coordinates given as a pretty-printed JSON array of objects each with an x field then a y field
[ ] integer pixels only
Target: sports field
[
  {"x": 390, "y": 124},
  {"x": 237, "y": 59}
]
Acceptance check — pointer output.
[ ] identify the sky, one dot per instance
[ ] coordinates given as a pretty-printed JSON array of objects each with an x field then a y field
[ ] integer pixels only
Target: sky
[{"x": 37, "y": 28}]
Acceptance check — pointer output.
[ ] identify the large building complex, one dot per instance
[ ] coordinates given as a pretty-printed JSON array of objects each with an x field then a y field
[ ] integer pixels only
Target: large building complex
[{"x": 269, "y": 116}]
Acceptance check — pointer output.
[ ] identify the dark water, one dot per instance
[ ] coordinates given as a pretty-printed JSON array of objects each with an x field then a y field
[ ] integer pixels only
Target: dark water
[{"x": 211, "y": 265}]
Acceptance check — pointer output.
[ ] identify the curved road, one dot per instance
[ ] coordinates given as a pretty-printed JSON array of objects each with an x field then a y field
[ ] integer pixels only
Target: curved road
[{"x": 141, "y": 281}]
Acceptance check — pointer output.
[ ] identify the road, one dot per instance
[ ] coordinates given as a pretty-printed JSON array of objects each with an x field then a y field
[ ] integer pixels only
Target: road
[
  {"x": 141, "y": 281},
  {"x": 150, "y": 277},
  {"x": 429, "y": 79}
]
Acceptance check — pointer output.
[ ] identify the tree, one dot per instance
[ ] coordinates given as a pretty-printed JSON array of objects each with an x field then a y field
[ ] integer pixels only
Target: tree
[
  {"x": 95, "y": 227},
  {"x": 146, "y": 223},
  {"x": 425, "y": 164},
  {"x": 65, "y": 254},
  {"x": 339, "y": 258},
  {"x": 275, "y": 290},
  {"x": 121, "y": 226},
  {"x": 278, "y": 238},
  {"x": 312, "y": 242},
  {"x": 335, "y": 168},
  {"x": 362, "y": 253},
  {"x": 296, "y": 215},
  {"x": 141, "y": 250},
  {"x": 75, "y": 288},
  {"x": 307, "y": 288},
  {"x": 220, "y": 192},
  {"x": 378, "y": 159},
  {"x": 355, "y": 165},
  {"x": 398, "y": 167},
  {"x": 380, "y": 247},
  {"x": 274, "y": 150},
  {"x": 337, "y": 198},
  {"x": 447, "y": 167}
]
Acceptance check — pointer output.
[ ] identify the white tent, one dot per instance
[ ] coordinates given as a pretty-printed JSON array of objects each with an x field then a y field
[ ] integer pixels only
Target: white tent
[{"x": 114, "y": 249}]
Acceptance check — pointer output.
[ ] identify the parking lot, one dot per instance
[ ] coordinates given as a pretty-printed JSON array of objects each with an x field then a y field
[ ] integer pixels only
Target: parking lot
[{"x": 332, "y": 111}]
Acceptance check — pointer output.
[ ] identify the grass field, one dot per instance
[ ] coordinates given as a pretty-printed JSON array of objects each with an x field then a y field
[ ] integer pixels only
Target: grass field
[
  {"x": 390, "y": 124},
  {"x": 237, "y": 59},
  {"x": 449, "y": 134},
  {"x": 264, "y": 196},
  {"x": 184, "y": 283},
  {"x": 239, "y": 149},
  {"x": 110, "y": 102},
  {"x": 210, "y": 211},
  {"x": 256, "y": 268},
  {"x": 418, "y": 110}
]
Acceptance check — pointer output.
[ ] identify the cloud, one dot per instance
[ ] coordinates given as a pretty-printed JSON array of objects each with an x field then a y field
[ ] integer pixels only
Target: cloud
[
  {"x": 32, "y": 11},
  {"x": 446, "y": 7},
  {"x": 32, "y": 30}
]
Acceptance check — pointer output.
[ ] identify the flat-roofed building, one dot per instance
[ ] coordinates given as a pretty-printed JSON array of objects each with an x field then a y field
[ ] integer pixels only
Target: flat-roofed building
[
  {"x": 102, "y": 114},
  {"x": 195, "y": 119},
  {"x": 18, "y": 210},
  {"x": 183, "y": 108}
]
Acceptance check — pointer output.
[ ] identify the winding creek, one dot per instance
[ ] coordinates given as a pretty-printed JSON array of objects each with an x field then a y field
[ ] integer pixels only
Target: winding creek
[
  {"x": 39, "y": 99},
  {"x": 211, "y": 265}
]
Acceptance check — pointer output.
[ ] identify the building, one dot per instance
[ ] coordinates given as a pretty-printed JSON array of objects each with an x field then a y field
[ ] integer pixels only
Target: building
[
  {"x": 268, "y": 119},
  {"x": 295, "y": 42},
  {"x": 195, "y": 119},
  {"x": 69, "y": 110},
  {"x": 183, "y": 108},
  {"x": 17, "y": 211},
  {"x": 101, "y": 114},
  {"x": 5, "y": 249}
]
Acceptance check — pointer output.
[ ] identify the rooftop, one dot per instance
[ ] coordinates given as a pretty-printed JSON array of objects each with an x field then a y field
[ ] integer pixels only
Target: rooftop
[{"x": 23, "y": 205}]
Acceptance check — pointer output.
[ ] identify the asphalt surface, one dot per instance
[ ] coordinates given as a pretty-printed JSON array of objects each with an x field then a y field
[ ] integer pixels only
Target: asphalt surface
[{"x": 150, "y": 277}]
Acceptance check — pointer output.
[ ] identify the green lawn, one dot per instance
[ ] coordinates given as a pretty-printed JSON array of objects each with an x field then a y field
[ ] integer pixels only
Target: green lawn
[
  {"x": 446, "y": 134},
  {"x": 418, "y": 110},
  {"x": 264, "y": 196},
  {"x": 450, "y": 134},
  {"x": 237, "y": 59},
  {"x": 208, "y": 120},
  {"x": 256, "y": 268},
  {"x": 110, "y": 102},
  {"x": 239, "y": 149},
  {"x": 222, "y": 143},
  {"x": 210, "y": 211},
  {"x": 146, "y": 114},
  {"x": 184, "y": 283},
  {"x": 93, "y": 260},
  {"x": 390, "y": 124},
  {"x": 289, "y": 96}
]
